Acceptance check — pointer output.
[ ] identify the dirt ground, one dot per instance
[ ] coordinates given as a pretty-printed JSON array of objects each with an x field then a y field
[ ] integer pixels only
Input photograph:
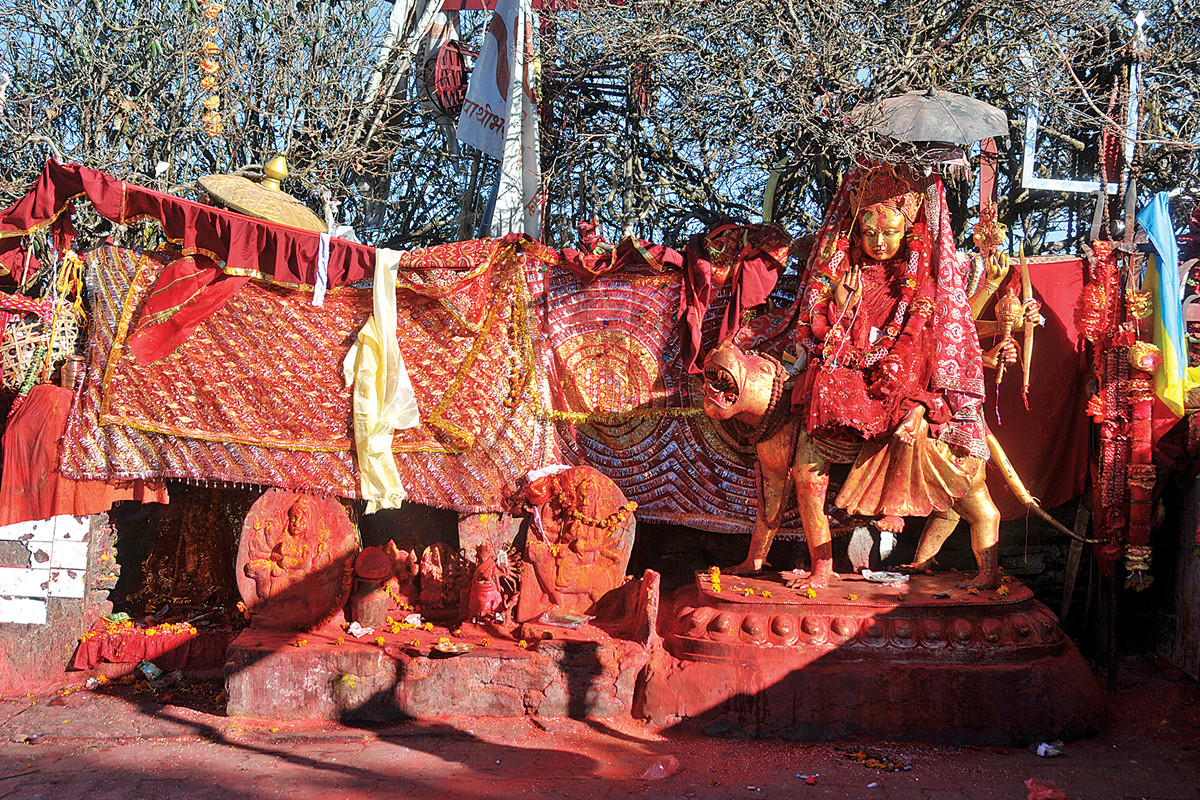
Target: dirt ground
[{"x": 129, "y": 741}]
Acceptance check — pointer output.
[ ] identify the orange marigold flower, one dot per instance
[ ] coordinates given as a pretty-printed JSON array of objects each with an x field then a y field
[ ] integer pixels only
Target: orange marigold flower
[
  {"x": 523, "y": 643},
  {"x": 810, "y": 593}
]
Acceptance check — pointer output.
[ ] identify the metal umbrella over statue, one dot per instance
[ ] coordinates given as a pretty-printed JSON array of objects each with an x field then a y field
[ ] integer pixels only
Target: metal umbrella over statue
[{"x": 889, "y": 371}]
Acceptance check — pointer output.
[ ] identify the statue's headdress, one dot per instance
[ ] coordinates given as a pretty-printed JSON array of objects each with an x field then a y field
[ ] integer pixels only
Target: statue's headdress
[{"x": 885, "y": 186}]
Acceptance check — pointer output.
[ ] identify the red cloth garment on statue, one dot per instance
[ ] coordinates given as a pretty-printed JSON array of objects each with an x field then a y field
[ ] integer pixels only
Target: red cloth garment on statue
[
  {"x": 31, "y": 487},
  {"x": 928, "y": 328},
  {"x": 838, "y": 390},
  {"x": 1048, "y": 444},
  {"x": 749, "y": 258}
]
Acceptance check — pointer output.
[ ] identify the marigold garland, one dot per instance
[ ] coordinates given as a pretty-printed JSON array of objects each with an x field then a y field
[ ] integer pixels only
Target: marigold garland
[{"x": 211, "y": 121}]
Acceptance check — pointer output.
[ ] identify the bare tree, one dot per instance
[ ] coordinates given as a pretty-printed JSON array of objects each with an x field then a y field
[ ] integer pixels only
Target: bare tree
[
  {"x": 116, "y": 85},
  {"x": 658, "y": 116},
  {"x": 665, "y": 116}
]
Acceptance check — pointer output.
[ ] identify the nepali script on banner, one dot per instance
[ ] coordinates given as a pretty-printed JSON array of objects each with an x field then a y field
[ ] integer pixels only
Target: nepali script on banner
[{"x": 499, "y": 117}]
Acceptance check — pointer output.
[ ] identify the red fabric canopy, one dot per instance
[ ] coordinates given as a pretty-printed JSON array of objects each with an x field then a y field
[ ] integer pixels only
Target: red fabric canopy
[{"x": 238, "y": 244}]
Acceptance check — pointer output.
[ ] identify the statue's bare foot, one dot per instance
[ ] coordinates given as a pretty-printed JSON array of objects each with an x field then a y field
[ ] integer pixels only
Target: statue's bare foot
[
  {"x": 891, "y": 524},
  {"x": 916, "y": 567},
  {"x": 911, "y": 425},
  {"x": 983, "y": 580},
  {"x": 751, "y": 566},
  {"x": 817, "y": 579}
]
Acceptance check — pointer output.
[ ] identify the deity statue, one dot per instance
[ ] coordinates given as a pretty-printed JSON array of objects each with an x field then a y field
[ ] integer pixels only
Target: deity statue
[
  {"x": 444, "y": 580},
  {"x": 406, "y": 566},
  {"x": 580, "y": 545},
  {"x": 295, "y": 560},
  {"x": 191, "y": 564},
  {"x": 494, "y": 584},
  {"x": 433, "y": 575},
  {"x": 890, "y": 380}
]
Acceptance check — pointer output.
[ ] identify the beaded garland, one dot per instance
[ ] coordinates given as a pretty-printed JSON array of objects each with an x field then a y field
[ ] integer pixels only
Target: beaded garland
[{"x": 833, "y": 350}]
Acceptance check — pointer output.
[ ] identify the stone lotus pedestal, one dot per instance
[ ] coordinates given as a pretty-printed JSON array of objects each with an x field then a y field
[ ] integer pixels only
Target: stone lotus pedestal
[{"x": 929, "y": 662}]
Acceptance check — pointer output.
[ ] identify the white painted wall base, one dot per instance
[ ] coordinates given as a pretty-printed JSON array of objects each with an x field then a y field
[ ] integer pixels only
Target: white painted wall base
[{"x": 58, "y": 557}]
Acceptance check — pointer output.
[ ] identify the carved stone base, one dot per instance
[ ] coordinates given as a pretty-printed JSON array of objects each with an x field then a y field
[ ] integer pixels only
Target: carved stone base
[{"x": 923, "y": 661}]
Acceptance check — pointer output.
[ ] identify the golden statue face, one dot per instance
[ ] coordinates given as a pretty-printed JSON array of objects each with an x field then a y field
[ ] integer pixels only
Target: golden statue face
[{"x": 880, "y": 232}]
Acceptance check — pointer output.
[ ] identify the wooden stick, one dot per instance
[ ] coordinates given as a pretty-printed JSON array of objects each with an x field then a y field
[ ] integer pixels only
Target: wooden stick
[{"x": 1026, "y": 296}]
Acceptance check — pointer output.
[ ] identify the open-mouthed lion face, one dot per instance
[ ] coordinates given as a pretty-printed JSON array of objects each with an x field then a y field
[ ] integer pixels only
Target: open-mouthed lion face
[{"x": 735, "y": 382}]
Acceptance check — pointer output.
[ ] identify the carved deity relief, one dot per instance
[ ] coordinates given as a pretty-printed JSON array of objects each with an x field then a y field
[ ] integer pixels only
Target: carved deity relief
[
  {"x": 406, "y": 566},
  {"x": 580, "y": 549},
  {"x": 295, "y": 560}
]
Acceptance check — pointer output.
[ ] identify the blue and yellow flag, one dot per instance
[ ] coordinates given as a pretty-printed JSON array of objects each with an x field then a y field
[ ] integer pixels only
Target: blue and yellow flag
[{"x": 1173, "y": 382}]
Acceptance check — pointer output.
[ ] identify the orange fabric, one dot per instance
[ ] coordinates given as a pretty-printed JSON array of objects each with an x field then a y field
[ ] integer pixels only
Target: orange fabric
[
  {"x": 31, "y": 487},
  {"x": 891, "y": 478}
]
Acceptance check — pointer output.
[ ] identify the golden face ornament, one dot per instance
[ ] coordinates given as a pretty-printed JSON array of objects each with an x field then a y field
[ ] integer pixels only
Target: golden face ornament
[{"x": 880, "y": 231}]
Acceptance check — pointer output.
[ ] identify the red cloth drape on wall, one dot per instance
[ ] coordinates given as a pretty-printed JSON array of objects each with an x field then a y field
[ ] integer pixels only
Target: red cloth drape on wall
[
  {"x": 1048, "y": 444},
  {"x": 31, "y": 487},
  {"x": 752, "y": 255},
  {"x": 603, "y": 258}
]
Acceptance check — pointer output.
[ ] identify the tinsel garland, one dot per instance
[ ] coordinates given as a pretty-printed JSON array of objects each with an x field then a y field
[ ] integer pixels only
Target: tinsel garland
[
  {"x": 1098, "y": 318},
  {"x": 1123, "y": 408},
  {"x": 30, "y": 380}
]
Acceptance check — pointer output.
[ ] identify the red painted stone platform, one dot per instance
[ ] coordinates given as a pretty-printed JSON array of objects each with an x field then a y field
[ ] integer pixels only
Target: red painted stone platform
[
  {"x": 577, "y": 673},
  {"x": 924, "y": 661},
  {"x": 536, "y": 670}
]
